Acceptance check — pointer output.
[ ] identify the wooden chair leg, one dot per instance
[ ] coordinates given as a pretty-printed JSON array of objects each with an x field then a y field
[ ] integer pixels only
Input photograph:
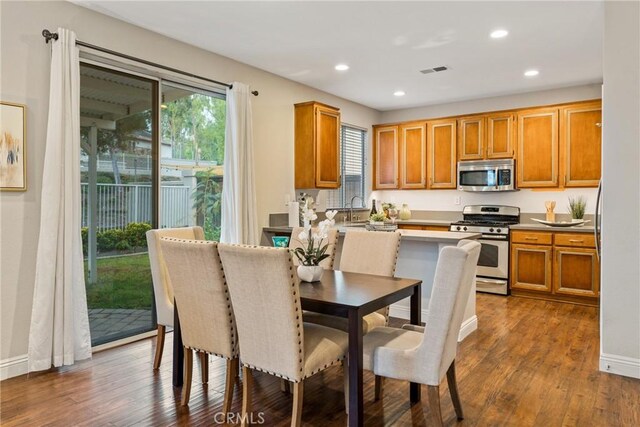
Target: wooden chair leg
[
  {"x": 188, "y": 369},
  {"x": 453, "y": 390},
  {"x": 232, "y": 367},
  {"x": 159, "y": 347},
  {"x": 434, "y": 404},
  {"x": 298, "y": 394},
  {"x": 247, "y": 385},
  {"x": 345, "y": 378},
  {"x": 378, "y": 390},
  {"x": 204, "y": 366},
  {"x": 285, "y": 386}
]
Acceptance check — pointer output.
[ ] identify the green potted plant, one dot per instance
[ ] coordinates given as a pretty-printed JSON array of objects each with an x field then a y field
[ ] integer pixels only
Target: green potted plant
[
  {"x": 377, "y": 218},
  {"x": 577, "y": 207}
]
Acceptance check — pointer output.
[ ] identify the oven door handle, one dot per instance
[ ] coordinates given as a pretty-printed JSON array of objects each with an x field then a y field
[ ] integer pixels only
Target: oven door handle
[
  {"x": 491, "y": 281},
  {"x": 498, "y": 237}
]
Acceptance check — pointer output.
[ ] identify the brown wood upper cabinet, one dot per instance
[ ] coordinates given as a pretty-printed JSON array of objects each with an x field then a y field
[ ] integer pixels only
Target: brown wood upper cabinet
[
  {"x": 486, "y": 137},
  {"x": 317, "y": 145},
  {"x": 500, "y": 135},
  {"x": 441, "y": 153},
  {"x": 581, "y": 144},
  {"x": 385, "y": 157},
  {"x": 471, "y": 138},
  {"x": 537, "y": 163},
  {"x": 413, "y": 155}
]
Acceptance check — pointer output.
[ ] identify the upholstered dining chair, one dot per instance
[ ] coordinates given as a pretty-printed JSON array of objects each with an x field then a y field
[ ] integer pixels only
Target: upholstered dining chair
[
  {"x": 332, "y": 237},
  {"x": 205, "y": 311},
  {"x": 162, "y": 289},
  {"x": 369, "y": 252},
  {"x": 426, "y": 355},
  {"x": 265, "y": 293}
]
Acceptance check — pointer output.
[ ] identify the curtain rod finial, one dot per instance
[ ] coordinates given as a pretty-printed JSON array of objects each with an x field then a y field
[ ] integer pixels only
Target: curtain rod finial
[
  {"x": 255, "y": 92},
  {"x": 48, "y": 35}
]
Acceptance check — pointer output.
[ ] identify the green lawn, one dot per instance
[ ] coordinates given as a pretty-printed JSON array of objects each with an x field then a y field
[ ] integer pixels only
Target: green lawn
[{"x": 123, "y": 282}]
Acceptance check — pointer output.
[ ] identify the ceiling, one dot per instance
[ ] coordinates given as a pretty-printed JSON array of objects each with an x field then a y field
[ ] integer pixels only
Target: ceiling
[{"x": 386, "y": 44}]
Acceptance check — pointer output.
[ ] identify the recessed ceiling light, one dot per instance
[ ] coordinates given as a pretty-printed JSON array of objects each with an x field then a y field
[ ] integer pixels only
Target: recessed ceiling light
[
  {"x": 531, "y": 73},
  {"x": 342, "y": 67},
  {"x": 399, "y": 93},
  {"x": 498, "y": 34}
]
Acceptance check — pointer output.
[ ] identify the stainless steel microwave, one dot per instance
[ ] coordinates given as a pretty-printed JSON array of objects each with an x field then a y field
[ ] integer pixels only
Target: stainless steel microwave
[{"x": 487, "y": 175}]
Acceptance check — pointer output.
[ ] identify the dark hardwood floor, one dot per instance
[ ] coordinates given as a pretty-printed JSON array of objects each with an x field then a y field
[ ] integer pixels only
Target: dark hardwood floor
[{"x": 530, "y": 363}]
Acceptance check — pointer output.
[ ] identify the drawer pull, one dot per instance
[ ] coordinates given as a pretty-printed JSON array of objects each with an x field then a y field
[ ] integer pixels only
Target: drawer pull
[
  {"x": 530, "y": 238},
  {"x": 576, "y": 241}
]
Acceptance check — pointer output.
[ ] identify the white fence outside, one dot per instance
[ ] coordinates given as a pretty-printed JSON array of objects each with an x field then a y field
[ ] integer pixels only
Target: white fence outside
[{"x": 121, "y": 204}]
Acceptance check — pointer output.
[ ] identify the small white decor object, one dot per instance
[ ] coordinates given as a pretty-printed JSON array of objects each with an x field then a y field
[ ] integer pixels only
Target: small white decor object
[
  {"x": 572, "y": 223},
  {"x": 314, "y": 245},
  {"x": 310, "y": 273}
]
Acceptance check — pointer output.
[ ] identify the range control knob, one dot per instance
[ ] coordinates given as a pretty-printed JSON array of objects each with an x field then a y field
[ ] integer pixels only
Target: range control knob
[
  {"x": 491, "y": 230},
  {"x": 499, "y": 230},
  {"x": 458, "y": 228},
  {"x": 464, "y": 228}
]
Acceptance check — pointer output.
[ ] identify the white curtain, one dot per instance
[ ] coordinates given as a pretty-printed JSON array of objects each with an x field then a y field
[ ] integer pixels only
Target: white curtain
[
  {"x": 239, "y": 214},
  {"x": 59, "y": 332}
]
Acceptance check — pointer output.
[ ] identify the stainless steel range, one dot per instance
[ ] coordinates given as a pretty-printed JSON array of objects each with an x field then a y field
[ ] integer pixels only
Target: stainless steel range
[{"x": 493, "y": 222}]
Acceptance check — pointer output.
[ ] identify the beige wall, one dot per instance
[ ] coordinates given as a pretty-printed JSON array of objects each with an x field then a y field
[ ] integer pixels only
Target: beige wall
[
  {"x": 620, "y": 287},
  {"x": 24, "y": 78}
]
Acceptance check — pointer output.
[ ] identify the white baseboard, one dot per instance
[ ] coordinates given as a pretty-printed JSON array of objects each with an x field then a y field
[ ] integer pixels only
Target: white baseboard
[
  {"x": 620, "y": 365},
  {"x": 13, "y": 366},
  {"x": 468, "y": 326}
]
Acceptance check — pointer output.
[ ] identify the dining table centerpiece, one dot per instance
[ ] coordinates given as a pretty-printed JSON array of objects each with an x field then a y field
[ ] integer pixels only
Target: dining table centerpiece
[{"x": 314, "y": 245}]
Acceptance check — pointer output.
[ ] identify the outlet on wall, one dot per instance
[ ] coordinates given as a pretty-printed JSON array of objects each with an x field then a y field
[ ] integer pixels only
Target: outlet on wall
[{"x": 457, "y": 200}]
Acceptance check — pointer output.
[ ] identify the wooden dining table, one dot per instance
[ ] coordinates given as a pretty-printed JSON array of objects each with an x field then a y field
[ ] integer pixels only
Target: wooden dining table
[{"x": 351, "y": 296}]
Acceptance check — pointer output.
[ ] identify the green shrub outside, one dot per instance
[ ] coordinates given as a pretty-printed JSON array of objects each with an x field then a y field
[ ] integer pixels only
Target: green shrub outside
[{"x": 133, "y": 236}]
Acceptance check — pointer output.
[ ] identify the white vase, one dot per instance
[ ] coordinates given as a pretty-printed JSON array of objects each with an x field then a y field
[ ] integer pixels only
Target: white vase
[
  {"x": 405, "y": 212},
  {"x": 310, "y": 273}
]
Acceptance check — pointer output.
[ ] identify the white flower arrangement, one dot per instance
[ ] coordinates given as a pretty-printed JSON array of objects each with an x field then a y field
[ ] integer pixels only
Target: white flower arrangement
[{"x": 313, "y": 251}]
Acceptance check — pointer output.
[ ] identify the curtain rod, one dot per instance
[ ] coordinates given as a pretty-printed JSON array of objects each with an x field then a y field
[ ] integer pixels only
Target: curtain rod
[{"x": 48, "y": 35}]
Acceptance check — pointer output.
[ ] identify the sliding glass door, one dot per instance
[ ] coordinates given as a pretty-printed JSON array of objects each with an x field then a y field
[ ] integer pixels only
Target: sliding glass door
[
  {"x": 151, "y": 157},
  {"x": 118, "y": 136},
  {"x": 191, "y": 157}
]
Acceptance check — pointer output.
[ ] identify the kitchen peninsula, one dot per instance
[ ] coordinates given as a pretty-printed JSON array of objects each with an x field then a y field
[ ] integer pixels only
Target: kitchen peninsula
[{"x": 417, "y": 259}]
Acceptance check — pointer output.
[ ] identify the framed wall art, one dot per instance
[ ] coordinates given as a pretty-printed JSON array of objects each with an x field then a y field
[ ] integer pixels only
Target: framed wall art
[{"x": 13, "y": 143}]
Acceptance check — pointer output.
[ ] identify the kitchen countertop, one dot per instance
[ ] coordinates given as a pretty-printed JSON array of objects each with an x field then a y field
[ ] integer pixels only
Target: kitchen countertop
[
  {"x": 541, "y": 227},
  {"x": 419, "y": 235}
]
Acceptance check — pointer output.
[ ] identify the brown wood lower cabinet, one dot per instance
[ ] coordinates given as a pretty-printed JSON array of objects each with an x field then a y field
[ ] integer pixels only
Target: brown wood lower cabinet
[{"x": 556, "y": 266}]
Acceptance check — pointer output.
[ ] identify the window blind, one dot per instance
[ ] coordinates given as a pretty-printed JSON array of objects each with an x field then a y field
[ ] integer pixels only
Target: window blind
[{"x": 352, "y": 165}]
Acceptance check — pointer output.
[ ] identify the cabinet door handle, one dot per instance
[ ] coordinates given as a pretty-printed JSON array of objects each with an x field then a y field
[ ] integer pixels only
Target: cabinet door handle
[
  {"x": 530, "y": 238},
  {"x": 576, "y": 241}
]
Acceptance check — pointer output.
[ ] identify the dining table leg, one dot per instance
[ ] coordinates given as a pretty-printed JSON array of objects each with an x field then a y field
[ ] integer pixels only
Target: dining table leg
[
  {"x": 416, "y": 313},
  {"x": 356, "y": 396},
  {"x": 178, "y": 350}
]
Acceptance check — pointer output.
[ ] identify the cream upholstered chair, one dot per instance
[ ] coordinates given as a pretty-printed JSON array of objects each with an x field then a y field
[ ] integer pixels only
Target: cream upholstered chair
[
  {"x": 265, "y": 292},
  {"x": 332, "y": 237},
  {"x": 369, "y": 252},
  {"x": 205, "y": 312},
  {"x": 162, "y": 289},
  {"x": 425, "y": 357}
]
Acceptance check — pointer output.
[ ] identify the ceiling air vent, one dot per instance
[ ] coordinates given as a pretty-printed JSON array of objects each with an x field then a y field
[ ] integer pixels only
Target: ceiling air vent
[{"x": 434, "y": 70}]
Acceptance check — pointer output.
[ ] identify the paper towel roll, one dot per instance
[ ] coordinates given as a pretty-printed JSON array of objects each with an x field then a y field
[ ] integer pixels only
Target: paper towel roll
[{"x": 294, "y": 214}]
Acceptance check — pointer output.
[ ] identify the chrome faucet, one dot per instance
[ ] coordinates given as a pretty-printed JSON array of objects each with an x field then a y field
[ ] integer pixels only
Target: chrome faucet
[{"x": 351, "y": 206}]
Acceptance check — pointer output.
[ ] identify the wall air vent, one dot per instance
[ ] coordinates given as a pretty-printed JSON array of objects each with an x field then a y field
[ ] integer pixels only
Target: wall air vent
[{"x": 434, "y": 69}]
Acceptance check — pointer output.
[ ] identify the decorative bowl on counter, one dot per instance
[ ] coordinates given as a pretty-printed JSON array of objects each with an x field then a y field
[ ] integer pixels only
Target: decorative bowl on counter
[{"x": 572, "y": 223}]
